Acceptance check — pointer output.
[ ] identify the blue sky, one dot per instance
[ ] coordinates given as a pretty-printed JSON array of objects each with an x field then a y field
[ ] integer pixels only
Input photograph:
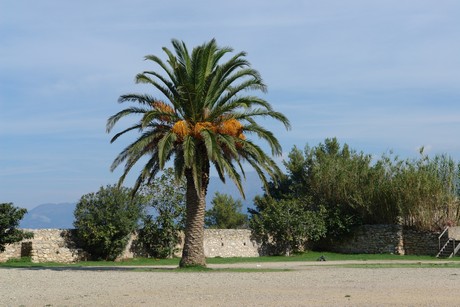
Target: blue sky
[{"x": 378, "y": 75}]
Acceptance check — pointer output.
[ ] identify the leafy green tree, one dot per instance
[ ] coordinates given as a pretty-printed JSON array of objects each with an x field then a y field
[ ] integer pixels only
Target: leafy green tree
[
  {"x": 159, "y": 234},
  {"x": 10, "y": 216},
  {"x": 225, "y": 213},
  {"x": 335, "y": 179},
  {"x": 206, "y": 120},
  {"x": 341, "y": 179},
  {"x": 288, "y": 225},
  {"x": 105, "y": 220}
]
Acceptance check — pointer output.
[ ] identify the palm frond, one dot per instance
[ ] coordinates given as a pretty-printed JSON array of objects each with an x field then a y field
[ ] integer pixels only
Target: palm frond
[
  {"x": 142, "y": 78},
  {"x": 167, "y": 69},
  {"x": 210, "y": 142},
  {"x": 172, "y": 92},
  {"x": 115, "y": 118},
  {"x": 145, "y": 143},
  {"x": 116, "y": 136},
  {"x": 189, "y": 149},
  {"x": 165, "y": 146},
  {"x": 148, "y": 172},
  {"x": 139, "y": 98}
]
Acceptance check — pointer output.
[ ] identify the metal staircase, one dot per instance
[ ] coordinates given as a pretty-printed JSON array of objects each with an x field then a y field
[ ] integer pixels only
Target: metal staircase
[{"x": 448, "y": 247}]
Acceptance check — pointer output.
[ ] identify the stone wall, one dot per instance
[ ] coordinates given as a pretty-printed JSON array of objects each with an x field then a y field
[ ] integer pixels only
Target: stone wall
[
  {"x": 57, "y": 245},
  {"x": 421, "y": 243},
  {"x": 230, "y": 243},
  {"x": 12, "y": 251},
  {"x": 368, "y": 239},
  {"x": 47, "y": 245},
  {"x": 385, "y": 239},
  {"x": 217, "y": 243}
]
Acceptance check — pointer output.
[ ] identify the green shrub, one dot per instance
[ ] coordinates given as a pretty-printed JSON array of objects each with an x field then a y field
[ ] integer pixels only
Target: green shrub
[
  {"x": 105, "y": 220},
  {"x": 10, "y": 216},
  {"x": 286, "y": 226}
]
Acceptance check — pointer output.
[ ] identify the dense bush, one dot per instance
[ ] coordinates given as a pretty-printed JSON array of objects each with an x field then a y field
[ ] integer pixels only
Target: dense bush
[
  {"x": 105, "y": 220},
  {"x": 10, "y": 216},
  {"x": 286, "y": 226}
]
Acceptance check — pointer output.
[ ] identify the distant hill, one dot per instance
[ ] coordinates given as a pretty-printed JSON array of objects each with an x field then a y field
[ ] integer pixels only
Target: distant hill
[
  {"x": 49, "y": 216},
  {"x": 61, "y": 215}
]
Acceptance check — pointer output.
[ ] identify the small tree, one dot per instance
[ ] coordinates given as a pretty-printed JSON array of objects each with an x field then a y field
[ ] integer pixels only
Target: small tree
[
  {"x": 105, "y": 220},
  {"x": 9, "y": 221},
  {"x": 225, "y": 213},
  {"x": 159, "y": 234},
  {"x": 287, "y": 225}
]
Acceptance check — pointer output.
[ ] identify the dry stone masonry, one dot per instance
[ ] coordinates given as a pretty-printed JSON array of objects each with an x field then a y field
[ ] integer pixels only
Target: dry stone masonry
[
  {"x": 57, "y": 245},
  {"x": 47, "y": 245},
  {"x": 385, "y": 239},
  {"x": 229, "y": 243}
]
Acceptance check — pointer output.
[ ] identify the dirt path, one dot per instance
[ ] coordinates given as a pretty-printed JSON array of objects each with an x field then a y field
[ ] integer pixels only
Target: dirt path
[{"x": 307, "y": 284}]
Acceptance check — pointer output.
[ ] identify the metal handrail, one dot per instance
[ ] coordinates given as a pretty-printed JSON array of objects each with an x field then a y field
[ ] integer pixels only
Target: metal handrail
[
  {"x": 440, "y": 236},
  {"x": 456, "y": 249}
]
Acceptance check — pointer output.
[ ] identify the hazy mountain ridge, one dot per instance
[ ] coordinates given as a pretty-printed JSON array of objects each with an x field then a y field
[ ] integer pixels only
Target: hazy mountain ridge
[
  {"x": 61, "y": 215},
  {"x": 49, "y": 216}
]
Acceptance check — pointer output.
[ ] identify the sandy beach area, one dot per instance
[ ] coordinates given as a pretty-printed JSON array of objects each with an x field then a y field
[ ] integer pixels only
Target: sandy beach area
[{"x": 312, "y": 284}]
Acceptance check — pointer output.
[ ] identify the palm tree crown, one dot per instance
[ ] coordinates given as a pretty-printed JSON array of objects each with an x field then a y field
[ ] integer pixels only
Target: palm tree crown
[{"x": 204, "y": 118}]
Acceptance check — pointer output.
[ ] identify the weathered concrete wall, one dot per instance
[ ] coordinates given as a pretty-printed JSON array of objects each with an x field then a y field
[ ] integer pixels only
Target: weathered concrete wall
[{"x": 385, "y": 239}]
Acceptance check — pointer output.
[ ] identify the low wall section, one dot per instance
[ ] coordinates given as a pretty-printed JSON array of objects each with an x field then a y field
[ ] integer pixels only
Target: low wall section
[
  {"x": 385, "y": 239},
  {"x": 57, "y": 245},
  {"x": 368, "y": 239},
  {"x": 47, "y": 245},
  {"x": 230, "y": 243}
]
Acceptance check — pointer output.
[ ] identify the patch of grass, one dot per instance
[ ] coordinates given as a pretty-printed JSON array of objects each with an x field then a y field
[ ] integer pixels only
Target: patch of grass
[
  {"x": 25, "y": 260},
  {"x": 307, "y": 256},
  {"x": 313, "y": 256}
]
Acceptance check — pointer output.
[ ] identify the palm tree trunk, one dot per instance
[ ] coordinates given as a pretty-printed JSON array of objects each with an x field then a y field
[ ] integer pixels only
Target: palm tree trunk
[{"x": 193, "y": 251}]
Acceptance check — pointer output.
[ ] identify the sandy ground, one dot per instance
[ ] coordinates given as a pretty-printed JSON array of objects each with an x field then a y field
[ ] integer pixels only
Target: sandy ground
[{"x": 306, "y": 284}]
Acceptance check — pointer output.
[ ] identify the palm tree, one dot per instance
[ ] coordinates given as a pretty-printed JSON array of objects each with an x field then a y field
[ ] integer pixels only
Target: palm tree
[{"x": 204, "y": 120}]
